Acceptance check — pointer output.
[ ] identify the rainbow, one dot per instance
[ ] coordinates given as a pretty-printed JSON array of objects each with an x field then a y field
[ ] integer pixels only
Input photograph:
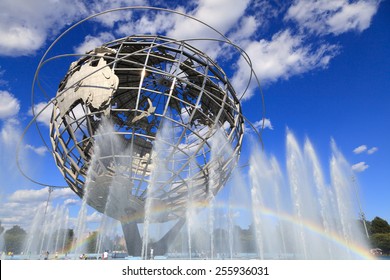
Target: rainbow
[
  {"x": 334, "y": 237},
  {"x": 314, "y": 228}
]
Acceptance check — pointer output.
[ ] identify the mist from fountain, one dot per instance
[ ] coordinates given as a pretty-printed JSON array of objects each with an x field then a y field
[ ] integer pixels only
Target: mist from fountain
[
  {"x": 2, "y": 245},
  {"x": 296, "y": 214},
  {"x": 190, "y": 211},
  {"x": 163, "y": 160},
  {"x": 286, "y": 209},
  {"x": 115, "y": 190},
  {"x": 238, "y": 208},
  {"x": 318, "y": 222},
  {"x": 80, "y": 231},
  {"x": 48, "y": 232},
  {"x": 221, "y": 151}
]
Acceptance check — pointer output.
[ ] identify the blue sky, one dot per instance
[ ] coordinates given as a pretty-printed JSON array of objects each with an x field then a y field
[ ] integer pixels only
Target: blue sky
[{"x": 323, "y": 66}]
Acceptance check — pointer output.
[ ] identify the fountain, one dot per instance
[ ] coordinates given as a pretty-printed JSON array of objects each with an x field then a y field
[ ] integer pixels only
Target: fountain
[
  {"x": 148, "y": 130},
  {"x": 296, "y": 214},
  {"x": 319, "y": 221},
  {"x": 2, "y": 246},
  {"x": 47, "y": 232}
]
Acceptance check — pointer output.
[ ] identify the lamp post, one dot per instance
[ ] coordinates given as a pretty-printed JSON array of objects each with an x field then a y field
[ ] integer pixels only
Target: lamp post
[{"x": 361, "y": 213}]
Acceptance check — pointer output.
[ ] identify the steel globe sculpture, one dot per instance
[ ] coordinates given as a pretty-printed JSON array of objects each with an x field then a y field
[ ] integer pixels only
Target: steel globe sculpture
[
  {"x": 146, "y": 126},
  {"x": 143, "y": 126},
  {"x": 140, "y": 83},
  {"x": 136, "y": 118}
]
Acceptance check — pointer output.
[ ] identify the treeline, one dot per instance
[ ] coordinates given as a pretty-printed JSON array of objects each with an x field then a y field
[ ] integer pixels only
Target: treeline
[
  {"x": 244, "y": 240},
  {"x": 379, "y": 233},
  {"x": 14, "y": 239}
]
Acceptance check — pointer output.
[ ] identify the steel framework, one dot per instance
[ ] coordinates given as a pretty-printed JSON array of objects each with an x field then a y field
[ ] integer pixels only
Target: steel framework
[
  {"x": 141, "y": 83},
  {"x": 138, "y": 120}
]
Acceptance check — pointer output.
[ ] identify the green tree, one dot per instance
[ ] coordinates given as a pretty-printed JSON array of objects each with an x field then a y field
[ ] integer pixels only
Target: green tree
[
  {"x": 92, "y": 241},
  {"x": 382, "y": 241},
  {"x": 14, "y": 239},
  {"x": 69, "y": 239},
  {"x": 247, "y": 239},
  {"x": 1, "y": 228},
  {"x": 118, "y": 245},
  {"x": 379, "y": 225}
]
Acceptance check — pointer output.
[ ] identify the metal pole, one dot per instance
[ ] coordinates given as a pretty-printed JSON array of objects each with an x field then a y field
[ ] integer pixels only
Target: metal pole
[
  {"x": 47, "y": 202},
  {"x": 361, "y": 213},
  {"x": 43, "y": 232}
]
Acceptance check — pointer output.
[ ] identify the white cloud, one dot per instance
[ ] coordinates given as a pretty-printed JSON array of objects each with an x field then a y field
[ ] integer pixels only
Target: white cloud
[
  {"x": 266, "y": 11},
  {"x": 19, "y": 40},
  {"x": 91, "y": 42},
  {"x": 220, "y": 14},
  {"x": 26, "y": 25},
  {"x": 41, "y": 151},
  {"x": 258, "y": 125},
  {"x": 283, "y": 56},
  {"x": 110, "y": 19},
  {"x": 95, "y": 217},
  {"x": 372, "y": 150},
  {"x": 159, "y": 23},
  {"x": 23, "y": 196},
  {"x": 246, "y": 28},
  {"x": 364, "y": 148},
  {"x": 21, "y": 214},
  {"x": 9, "y": 105},
  {"x": 324, "y": 17},
  {"x": 33, "y": 195},
  {"x": 70, "y": 201},
  {"x": 9, "y": 135},
  {"x": 63, "y": 193},
  {"x": 2, "y": 81},
  {"x": 264, "y": 123},
  {"x": 22, "y": 205},
  {"x": 359, "y": 167},
  {"x": 45, "y": 115},
  {"x": 360, "y": 149},
  {"x": 224, "y": 15},
  {"x": 12, "y": 151}
]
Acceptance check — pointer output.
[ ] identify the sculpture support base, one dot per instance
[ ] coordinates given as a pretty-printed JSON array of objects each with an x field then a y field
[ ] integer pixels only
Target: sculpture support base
[
  {"x": 161, "y": 247},
  {"x": 134, "y": 241},
  {"x": 132, "y": 238}
]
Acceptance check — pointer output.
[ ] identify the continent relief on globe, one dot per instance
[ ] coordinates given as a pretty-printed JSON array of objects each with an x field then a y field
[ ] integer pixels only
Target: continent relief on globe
[{"x": 82, "y": 84}]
